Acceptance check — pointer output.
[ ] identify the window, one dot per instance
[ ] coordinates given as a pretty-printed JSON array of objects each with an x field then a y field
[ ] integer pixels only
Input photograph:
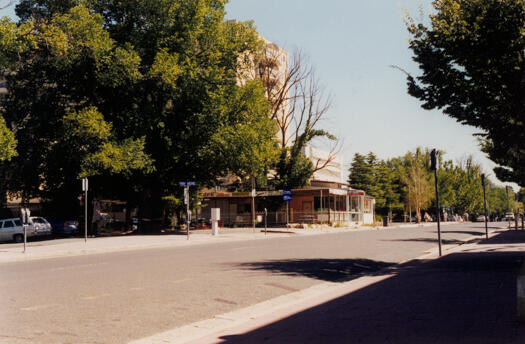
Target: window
[
  {"x": 354, "y": 204},
  {"x": 18, "y": 222},
  {"x": 367, "y": 206},
  {"x": 8, "y": 224}
]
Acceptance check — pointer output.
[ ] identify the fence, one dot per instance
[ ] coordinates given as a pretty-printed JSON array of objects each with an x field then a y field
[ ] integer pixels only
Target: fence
[{"x": 279, "y": 218}]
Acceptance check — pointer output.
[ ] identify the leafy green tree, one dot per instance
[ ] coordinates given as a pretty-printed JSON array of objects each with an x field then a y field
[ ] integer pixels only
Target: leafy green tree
[
  {"x": 7, "y": 142},
  {"x": 416, "y": 177},
  {"x": 163, "y": 73},
  {"x": 246, "y": 147},
  {"x": 361, "y": 174},
  {"x": 473, "y": 67}
]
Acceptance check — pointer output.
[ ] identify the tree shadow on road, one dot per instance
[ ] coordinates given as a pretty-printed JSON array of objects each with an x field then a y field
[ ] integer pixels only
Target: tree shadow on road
[
  {"x": 443, "y": 241},
  {"x": 332, "y": 270},
  {"x": 461, "y": 298},
  {"x": 506, "y": 237},
  {"x": 462, "y": 232}
]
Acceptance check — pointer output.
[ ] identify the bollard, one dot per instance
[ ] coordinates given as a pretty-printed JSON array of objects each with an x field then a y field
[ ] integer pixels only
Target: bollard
[{"x": 215, "y": 217}]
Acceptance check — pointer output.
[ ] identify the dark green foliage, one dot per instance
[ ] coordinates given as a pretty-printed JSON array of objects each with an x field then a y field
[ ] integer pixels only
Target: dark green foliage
[
  {"x": 472, "y": 59},
  {"x": 161, "y": 73}
]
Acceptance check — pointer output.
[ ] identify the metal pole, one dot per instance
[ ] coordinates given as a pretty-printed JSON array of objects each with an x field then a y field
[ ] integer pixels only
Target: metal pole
[
  {"x": 321, "y": 204},
  {"x": 25, "y": 237},
  {"x": 516, "y": 210},
  {"x": 265, "y": 221},
  {"x": 437, "y": 210},
  {"x": 508, "y": 206},
  {"x": 85, "y": 214},
  {"x": 253, "y": 203},
  {"x": 287, "y": 212},
  {"x": 188, "y": 220},
  {"x": 485, "y": 205}
]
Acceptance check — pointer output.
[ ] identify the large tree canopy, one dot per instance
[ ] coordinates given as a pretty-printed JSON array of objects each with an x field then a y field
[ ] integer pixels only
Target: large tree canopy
[
  {"x": 151, "y": 84},
  {"x": 473, "y": 67}
]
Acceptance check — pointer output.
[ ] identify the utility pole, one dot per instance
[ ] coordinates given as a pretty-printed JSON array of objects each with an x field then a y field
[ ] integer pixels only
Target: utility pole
[
  {"x": 485, "y": 206},
  {"x": 433, "y": 166}
]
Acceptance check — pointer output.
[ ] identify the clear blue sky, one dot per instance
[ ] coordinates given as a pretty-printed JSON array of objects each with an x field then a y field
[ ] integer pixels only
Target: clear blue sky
[{"x": 351, "y": 44}]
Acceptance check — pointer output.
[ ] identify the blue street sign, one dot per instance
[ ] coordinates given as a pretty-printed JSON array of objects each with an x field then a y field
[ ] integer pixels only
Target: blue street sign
[
  {"x": 187, "y": 183},
  {"x": 287, "y": 195}
]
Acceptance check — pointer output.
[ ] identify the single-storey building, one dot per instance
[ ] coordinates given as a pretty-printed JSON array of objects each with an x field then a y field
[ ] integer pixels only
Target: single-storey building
[{"x": 315, "y": 205}]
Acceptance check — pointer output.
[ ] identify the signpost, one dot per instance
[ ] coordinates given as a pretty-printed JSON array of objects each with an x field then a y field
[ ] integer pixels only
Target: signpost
[
  {"x": 85, "y": 187},
  {"x": 265, "y": 220},
  {"x": 287, "y": 197},
  {"x": 24, "y": 214},
  {"x": 186, "y": 186}
]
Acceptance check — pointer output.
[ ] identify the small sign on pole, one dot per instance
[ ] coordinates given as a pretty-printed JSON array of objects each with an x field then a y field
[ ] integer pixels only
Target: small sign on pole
[
  {"x": 287, "y": 195},
  {"x": 85, "y": 185}
]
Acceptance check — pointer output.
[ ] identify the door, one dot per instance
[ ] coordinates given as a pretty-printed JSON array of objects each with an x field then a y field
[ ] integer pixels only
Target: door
[
  {"x": 8, "y": 229},
  {"x": 307, "y": 207}
]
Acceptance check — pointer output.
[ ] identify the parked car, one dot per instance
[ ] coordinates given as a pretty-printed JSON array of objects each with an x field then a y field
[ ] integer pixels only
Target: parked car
[
  {"x": 43, "y": 227},
  {"x": 12, "y": 229},
  {"x": 453, "y": 218},
  {"x": 480, "y": 218},
  {"x": 508, "y": 217},
  {"x": 65, "y": 228}
]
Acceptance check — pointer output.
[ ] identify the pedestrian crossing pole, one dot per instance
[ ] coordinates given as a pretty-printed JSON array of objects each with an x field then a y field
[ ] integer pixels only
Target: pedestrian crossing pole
[{"x": 433, "y": 166}]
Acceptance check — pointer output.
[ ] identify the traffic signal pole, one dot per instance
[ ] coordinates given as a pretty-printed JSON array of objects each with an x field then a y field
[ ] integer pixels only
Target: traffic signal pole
[{"x": 433, "y": 166}]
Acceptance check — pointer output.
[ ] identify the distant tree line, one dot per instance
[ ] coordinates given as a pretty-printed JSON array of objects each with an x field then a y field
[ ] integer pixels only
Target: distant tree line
[{"x": 404, "y": 184}]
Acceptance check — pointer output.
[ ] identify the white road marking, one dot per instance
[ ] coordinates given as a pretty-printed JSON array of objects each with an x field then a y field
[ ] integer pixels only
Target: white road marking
[
  {"x": 76, "y": 266},
  {"x": 243, "y": 248},
  {"x": 38, "y": 307},
  {"x": 94, "y": 297}
]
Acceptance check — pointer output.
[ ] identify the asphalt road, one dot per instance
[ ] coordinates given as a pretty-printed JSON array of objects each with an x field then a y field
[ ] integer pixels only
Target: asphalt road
[{"x": 117, "y": 297}]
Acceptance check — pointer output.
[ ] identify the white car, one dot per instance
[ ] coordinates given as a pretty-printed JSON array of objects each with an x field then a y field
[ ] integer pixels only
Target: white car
[
  {"x": 480, "y": 218},
  {"x": 12, "y": 229},
  {"x": 43, "y": 227}
]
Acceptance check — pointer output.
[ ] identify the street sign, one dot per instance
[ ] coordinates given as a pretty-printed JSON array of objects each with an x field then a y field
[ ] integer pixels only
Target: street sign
[
  {"x": 187, "y": 183},
  {"x": 287, "y": 195},
  {"x": 85, "y": 184}
]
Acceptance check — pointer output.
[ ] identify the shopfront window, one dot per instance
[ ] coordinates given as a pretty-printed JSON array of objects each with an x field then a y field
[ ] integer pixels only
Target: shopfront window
[
  {"x": 367, "y": 206},
  {"x": 354, "y": 204}
]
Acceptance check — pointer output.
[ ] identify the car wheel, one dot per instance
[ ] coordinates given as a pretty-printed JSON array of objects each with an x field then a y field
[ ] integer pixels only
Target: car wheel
[{"x": 18, "y": 238}]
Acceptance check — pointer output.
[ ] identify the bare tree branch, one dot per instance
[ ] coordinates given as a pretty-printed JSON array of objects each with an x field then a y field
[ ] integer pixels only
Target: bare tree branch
[{"x": 9, "y": 3}]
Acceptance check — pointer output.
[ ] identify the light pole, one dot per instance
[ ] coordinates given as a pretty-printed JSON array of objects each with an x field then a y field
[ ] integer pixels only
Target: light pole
[
  {"x": 485, "y": 205},
  {"x": 433, "y": 166}
]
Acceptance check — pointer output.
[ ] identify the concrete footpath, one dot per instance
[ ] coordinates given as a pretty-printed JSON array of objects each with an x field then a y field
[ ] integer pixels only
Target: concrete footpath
[
  {"x": 10, "y": 252},
  {"x": 467, "y": 296}
]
